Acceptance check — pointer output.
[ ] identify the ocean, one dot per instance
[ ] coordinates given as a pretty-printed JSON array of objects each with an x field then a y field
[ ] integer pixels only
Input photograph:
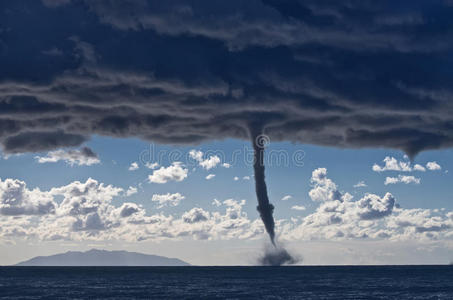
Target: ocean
[{"x": 302, "y": 282}]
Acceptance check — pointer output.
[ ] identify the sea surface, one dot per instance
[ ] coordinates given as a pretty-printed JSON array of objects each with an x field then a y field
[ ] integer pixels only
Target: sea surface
[{"x": 304, "y": 282}]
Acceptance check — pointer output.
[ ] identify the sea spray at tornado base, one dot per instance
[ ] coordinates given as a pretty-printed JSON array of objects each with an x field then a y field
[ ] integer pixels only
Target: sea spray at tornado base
[{"x": 277, "y": 256}]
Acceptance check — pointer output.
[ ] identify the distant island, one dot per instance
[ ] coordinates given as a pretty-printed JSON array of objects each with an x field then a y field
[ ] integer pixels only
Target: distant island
[{"x": 96, "y": 257}]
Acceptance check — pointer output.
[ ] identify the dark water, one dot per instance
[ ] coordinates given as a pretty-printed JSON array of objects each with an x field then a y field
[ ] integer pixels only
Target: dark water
[{"x": 386, "y": 282}]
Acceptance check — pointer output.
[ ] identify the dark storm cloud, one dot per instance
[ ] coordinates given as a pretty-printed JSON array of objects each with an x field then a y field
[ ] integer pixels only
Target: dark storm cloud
[
  {"x": 344, "y": 74},
  {"x": 40, "y": 141}
]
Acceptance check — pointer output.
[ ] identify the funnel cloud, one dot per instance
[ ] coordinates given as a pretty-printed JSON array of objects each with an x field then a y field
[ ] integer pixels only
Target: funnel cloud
[{"x": 265, "y": 208}]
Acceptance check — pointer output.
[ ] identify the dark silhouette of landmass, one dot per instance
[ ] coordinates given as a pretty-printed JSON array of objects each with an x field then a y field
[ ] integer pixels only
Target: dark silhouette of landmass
[{"x": 96, "y": 257}]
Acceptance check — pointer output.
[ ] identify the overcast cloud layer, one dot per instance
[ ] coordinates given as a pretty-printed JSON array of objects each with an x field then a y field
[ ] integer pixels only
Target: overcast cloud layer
[{"x": 346, "y": 74}]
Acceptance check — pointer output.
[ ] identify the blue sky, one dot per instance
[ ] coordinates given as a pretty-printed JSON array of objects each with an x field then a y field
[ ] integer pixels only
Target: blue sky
[{"x": 345, "y": 167}]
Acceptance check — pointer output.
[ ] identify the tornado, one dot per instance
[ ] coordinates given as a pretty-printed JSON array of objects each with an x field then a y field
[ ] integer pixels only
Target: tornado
[
  {"x": 276, "y": 255},
  {"x": 265, "y": 208}
]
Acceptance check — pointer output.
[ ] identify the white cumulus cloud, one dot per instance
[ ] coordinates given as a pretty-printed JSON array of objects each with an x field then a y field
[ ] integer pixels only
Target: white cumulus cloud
[
  {"x": 298, "y": 207},
  {"x": 151, "y": 165},
  {"x": 418, "y": 167},
  {"x": 216, "y": 202},
  {"x": 16, "y": 199},
  {"x": 83, "y": 157},
  {"x": 168, "y": 199},
  {"x": 360, "y": 184},
  {"x": 392, "y": 164},
  {"x": 323, "y": 188},
  {"x": 131, "y": 191},
  {"x": 196, "y": 155},
  {"x": 374, "y": 207},
  {"x": 402, "y": 179},
  {"x": 133, "y": 166},
  {"x": 433, "y": 166},
  {"x": 85, "y": 211},
  {"x": 208, "y": 163},
  {"x": 195, "y": 215},
  {"x": 175, "y": 172}
]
